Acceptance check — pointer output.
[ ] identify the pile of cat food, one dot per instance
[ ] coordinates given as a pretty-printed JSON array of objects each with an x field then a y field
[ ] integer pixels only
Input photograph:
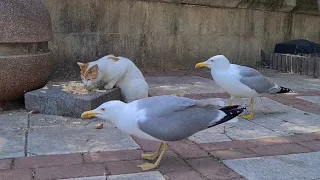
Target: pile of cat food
[{"x": 74, "y": 87}]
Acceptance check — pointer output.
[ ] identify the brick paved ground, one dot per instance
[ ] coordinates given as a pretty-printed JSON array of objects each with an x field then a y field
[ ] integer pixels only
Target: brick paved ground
[
  {"x": 184, "y": 160},
  {"x": 289, "y": 121}
]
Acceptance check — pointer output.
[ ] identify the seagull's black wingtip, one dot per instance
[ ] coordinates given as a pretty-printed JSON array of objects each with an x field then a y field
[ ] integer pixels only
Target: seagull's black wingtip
[
  {"x": 284, "y": 90},
  {"x": 231, "y": 112}
]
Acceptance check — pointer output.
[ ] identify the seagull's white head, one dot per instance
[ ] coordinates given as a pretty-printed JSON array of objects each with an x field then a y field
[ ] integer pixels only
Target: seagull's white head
[
  {"x": 218, "y": 62},
  {"x": 108, "y": 111}
]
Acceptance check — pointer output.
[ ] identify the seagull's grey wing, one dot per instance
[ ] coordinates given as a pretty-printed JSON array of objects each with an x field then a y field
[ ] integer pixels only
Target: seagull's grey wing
[
  {"x": 180, "y": 124},
  {"x": 255, "y": 80},
  {"x": 158, "y": 105}
]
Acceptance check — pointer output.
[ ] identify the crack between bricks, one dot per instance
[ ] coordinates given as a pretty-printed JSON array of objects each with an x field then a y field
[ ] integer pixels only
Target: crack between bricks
[
  {"x": 82, "y": 157},
  {"x": 107, "y": 172},
  {"x": 210, "y": 155},
  {"x": 311, "y": 150},
  {"x": 12, "y": 163},
  {"x": 26, "y": 137},
  {"x": 232, "y": 139}
]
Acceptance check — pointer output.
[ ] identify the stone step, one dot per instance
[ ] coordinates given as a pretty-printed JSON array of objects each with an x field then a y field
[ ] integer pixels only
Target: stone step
[{"x": 54, "y": 101}]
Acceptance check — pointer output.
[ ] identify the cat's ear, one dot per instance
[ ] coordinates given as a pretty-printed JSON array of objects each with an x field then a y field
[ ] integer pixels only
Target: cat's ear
[
  {"x": 92, "y": 72},
  {"x": 95, "y": 67},
  {"x": 80, "y": 64}
]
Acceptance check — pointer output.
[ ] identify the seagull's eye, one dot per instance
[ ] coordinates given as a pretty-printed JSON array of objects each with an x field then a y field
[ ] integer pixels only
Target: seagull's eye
[
  {"x": 103, "y": 109},
  {"x": 211, "y": 60}
]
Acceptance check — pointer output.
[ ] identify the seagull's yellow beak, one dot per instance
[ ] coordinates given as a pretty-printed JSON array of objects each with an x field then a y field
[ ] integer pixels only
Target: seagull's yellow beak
[
  {"x": 202, "y": 64},
  {"x": 88, "y": 114}
]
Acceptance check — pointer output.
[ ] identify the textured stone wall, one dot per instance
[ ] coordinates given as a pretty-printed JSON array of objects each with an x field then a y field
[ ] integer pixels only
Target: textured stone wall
[{"x": 176, "y": 33}]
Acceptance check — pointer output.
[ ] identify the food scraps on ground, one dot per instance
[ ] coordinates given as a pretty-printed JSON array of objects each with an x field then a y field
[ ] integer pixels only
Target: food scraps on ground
[{"x": 99, "y": 126}]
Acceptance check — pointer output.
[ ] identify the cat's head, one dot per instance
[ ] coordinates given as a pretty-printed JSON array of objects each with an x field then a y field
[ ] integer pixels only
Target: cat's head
[{"x": 90, "y": 75}]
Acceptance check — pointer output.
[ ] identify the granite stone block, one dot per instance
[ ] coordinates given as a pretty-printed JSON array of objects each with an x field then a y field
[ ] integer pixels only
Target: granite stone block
[{"x": 54, "y": 101}]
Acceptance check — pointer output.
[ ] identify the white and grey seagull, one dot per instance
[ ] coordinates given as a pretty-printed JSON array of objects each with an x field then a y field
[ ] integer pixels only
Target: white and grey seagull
[
  {"x": 240, "y": 81},
  {"x": 163, "y": 119}
]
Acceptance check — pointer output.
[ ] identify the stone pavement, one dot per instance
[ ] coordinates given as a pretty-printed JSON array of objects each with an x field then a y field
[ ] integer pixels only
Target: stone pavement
[{"x": 282, "y": 142}]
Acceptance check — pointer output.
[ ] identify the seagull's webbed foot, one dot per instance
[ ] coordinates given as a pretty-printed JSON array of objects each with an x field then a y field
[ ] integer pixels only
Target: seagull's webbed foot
[
  {"x": 149, "y": 157},
  {"x": 247, "y": 116},
  {"x": 152, "y": 156},
  {"x": 148, "y": 166}
]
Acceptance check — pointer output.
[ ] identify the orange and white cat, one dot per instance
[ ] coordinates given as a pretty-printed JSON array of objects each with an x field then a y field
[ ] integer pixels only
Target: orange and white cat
[{"x": 115, "y": 71}]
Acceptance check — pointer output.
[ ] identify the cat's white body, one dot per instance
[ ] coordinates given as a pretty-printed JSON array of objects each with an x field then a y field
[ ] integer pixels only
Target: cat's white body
[{"x": 122, "y": 73}]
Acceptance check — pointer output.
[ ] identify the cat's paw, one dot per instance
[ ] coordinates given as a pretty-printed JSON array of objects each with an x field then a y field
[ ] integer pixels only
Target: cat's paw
[{"x": 108, "y": 86}]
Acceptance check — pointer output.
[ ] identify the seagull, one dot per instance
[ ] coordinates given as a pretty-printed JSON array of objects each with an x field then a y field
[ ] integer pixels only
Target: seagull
[
  {"x": 163, "y": 119},
  {"x": 240, "y": 81}
]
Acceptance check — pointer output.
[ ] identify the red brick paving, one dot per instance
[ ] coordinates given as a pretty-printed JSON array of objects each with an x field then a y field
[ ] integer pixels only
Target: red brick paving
[
  {"x": 184, "y": 175},
  {"x": 308, "y": 137},
  {"x": 5, "y": 164},
  {"x": 187, "y": 149},
  {"x": 103, "y": 157},
  {"x": 46, "y": 161},
  {"x": 124, "y": 167},
  {"x": 171, "y": 162},
  {"x": 72, "y": 171},
  {"x": 185, "y": 159},
  {"x": 212, "y": 169},
  {"x": 280, "y": 149},
  {"x": 314, "y": 145},
  {"x": 305, "y": 93},
  {"x": 16, "y": 174}
]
